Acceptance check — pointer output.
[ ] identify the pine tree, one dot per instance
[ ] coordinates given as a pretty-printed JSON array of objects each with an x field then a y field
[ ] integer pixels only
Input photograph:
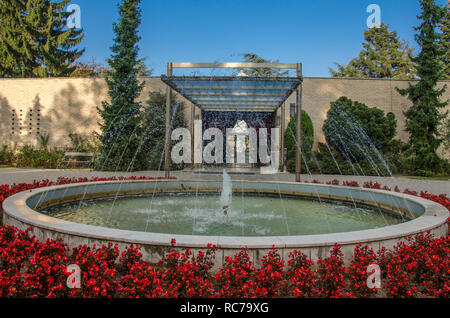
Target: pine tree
[
  {"x": 121, "y": 125},
  {"x": 260, "y": 72},
  {"x": 56, "y": 43},
  {"x": 444, "y": 43},
  {"x": 383, "y": 56},
  {"x": 34, "y": 39},
  {"x": 424, "y": 116},
  {"x": 15, "y": 51}
]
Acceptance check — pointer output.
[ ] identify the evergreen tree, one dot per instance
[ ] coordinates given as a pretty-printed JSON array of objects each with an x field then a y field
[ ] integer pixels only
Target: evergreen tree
[
  {"x": 16, "y": 51},
  {"x": 444, "y": 43},
  {"x": 380, "y": 128},
  {"x": 121, "y": 127},
  {"x": 383, "y": 56},
  {"x": 155, "y": 123},
  {"x": 34, "y": 40},
  {"x": 260, "y": 72},
  {"x": 56, "y": 42},
  {"x": 359, "y": 137},
  {"x": 424, "y": 117}
]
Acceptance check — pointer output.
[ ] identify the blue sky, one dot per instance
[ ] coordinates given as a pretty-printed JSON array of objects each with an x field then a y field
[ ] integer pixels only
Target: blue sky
[{"x": 316, "y": 33}]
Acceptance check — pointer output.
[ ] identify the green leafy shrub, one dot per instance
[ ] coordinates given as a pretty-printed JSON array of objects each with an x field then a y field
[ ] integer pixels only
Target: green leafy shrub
[
  {"x": 362, "y": 139},
  {"x": 346, "y": 118},
  {"x": 331, "y": 162},
  {"x": 28, "y": 157},
  {"x": 43, "y": 140},
  {"x": 6, "y": 156},
  {"x": 82, "y": 143}
]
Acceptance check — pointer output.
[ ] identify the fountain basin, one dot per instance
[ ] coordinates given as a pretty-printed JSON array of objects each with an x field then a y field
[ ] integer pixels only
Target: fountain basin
[{"x": 20, "y": 210}]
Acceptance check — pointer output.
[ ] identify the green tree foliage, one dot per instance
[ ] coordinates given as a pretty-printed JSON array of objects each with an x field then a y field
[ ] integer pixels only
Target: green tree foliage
[
  {"x": 383, "y": 56},
  {"x": 34, "y": 39},
  {"x": 424, "y": 117},
  {"x": 290, "y": 140},
  {"x": 359, "y": 135},
  {"x": 445, "y": 131},
  {"x": 121, "y": 126},
  {"x": 260, "y": 72},
  {"x": 155, "y": 127},
  {"x": 142, "y": 68},
  {"x": 88, "y": 69},
  {"x": 380, "y": 128},
  {"x": 444, "y": 42},
  {"x": 6, "y": 155}
]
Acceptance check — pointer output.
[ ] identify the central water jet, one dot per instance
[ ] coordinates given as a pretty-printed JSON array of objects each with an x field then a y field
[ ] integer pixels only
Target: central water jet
[{"x": 227, "y": 193}]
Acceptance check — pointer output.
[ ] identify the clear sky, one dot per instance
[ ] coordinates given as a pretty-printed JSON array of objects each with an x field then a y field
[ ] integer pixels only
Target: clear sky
[{"x": 314, "y": 32}]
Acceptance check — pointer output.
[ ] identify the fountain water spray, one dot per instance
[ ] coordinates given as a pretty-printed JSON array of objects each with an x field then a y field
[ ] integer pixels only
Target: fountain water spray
[{"x": 225, "y": 199}]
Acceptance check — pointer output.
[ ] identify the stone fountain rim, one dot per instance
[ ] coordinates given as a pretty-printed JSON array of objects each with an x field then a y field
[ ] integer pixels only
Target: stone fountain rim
[{"x": 15, "y": 208}]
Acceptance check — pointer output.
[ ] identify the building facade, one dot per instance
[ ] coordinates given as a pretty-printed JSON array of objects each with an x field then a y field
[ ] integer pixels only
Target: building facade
[{"x": 60, "y": 106}]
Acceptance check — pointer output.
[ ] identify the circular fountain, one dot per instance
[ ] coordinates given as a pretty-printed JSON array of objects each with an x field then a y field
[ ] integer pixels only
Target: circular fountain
[{"x": 260, "y": 215}]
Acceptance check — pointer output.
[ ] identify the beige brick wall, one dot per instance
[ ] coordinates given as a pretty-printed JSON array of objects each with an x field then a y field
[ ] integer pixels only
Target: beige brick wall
[{"x": 59, "y": 106}]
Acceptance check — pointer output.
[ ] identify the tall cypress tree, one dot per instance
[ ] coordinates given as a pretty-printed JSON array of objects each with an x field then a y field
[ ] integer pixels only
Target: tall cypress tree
[
  {"x": 444, "y": 42},
  {"x": 122, "y": 116},
  {"x": 34, "y": 40},
  {"x": 424, "y": 116}
]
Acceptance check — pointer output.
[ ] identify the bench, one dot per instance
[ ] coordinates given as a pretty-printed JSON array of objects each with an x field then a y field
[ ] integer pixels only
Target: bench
[{"x": 66, "y": 161}]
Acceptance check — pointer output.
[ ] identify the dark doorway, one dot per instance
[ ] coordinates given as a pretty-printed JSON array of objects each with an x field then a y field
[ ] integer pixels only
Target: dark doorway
[{"x": 224, "y": 120}]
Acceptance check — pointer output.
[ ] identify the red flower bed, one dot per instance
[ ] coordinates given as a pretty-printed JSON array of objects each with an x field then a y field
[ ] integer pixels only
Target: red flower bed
[
  {"x": 350, "y": 183},
  {"x": 441, "y": 199},
  {"x": 28, "y": 268},
  {"x": 7, "y": 190}
]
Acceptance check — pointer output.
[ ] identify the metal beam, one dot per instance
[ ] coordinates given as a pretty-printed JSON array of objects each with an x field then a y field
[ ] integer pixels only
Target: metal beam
[
  {"x": 282, "y": 128},
  {"x": 167, "y": 134},
  {"x": 298, "y": 159},
  {"x": 274, "y": 79},
  {"x": 274, "y": 107},
  {"x": 253, "y": 109},
  {"x": 247, "y": 86},
  {"x": 230, "y": 92},
  {"x": 192, "y": 133},
  {"x": 237, "y": 99},
  {"x": 234, "y": 109},
  {"x": 236, "y": 65}
]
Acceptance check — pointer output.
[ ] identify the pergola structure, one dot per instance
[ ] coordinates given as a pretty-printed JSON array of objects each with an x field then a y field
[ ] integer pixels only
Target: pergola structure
[{"x": 235, "y": 94}]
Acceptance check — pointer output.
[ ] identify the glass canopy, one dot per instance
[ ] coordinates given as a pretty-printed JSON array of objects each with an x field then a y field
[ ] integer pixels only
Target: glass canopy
[{"x": 239, "y": 94}]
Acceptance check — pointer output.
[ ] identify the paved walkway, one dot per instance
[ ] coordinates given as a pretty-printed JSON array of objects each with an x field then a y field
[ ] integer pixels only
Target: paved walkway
[{"x": 9, "y": 176}]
